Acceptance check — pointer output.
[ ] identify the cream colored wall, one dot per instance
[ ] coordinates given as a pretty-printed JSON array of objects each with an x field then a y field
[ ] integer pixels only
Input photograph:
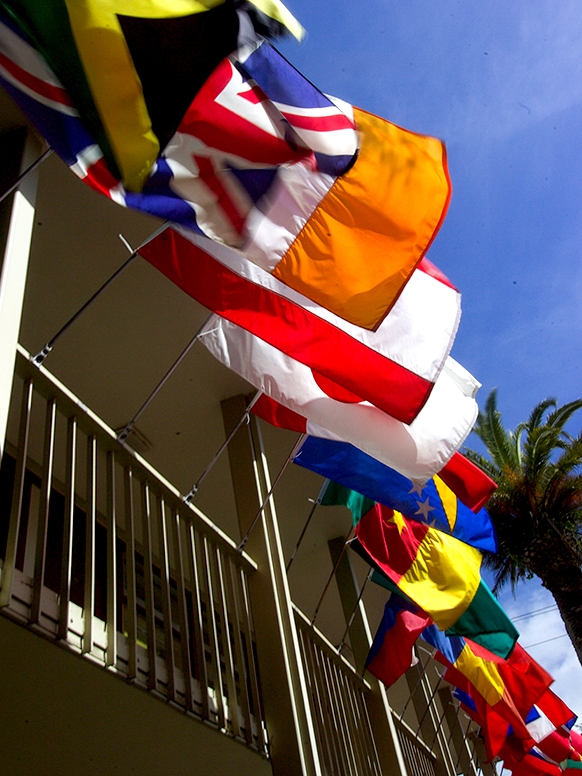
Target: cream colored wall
[{"x": 62, "y": 716}]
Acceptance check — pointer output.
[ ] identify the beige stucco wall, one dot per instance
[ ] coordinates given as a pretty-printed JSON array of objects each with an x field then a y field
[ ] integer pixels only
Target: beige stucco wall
[{"x": 62, "y": 716}]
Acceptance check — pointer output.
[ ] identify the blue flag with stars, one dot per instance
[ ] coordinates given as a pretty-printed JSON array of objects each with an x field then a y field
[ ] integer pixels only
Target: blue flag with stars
[{"x": 433, "y": 503}]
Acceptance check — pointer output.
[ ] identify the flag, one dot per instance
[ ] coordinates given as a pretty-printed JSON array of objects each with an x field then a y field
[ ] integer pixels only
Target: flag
[
  {"x": 391, "y": 653},
  {"x": 394, "y": 368},
  {"x": 500, "y": 689},
  {"x": 418, "y": 450},
  {"x": 439, "y": 574},
  {"x": 132, "y": 68},
  {"x": 532, "y": 764},
  {"x": 468, "y": 482},
  {"x": 250, "y": 153},
  {"x": 434, "y": 503}
]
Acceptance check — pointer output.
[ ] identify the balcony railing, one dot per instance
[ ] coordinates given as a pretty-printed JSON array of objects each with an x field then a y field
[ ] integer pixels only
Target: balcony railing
[{"x": 101, "y": 553}]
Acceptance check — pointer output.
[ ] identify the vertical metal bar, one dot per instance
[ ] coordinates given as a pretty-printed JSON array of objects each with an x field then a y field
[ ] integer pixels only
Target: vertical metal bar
[
  {"x": 421, "y": 672},
  {"x": 47, "y": 476},
  {"x": 228, "y": 655},
  {"x": 326, "y": 719},
  {"x": 198, "y": 623},
  {"x": 16, "y": 508},
  {"x": 347, "y": 736},
  {"x": 333, "y": 717},
  {"x": 354, "y": 722},
  {"x": 131, "y": 611},
  {"x": 248, "y": 631},
  {"x": 90, "y": 518},
  {"x": 111, "y": 655},
  {"x": 149, "y": 586},
  {"x": 244, "y": 679},
  {"x": 183, "y": 615},
  {"x": 68, "y": 527},
  {"x": 214, "y": 642},
  {"x": 428, "y": 705},
  {"x": 324, "y": 747},
  {"x": 166, "y": 600}
]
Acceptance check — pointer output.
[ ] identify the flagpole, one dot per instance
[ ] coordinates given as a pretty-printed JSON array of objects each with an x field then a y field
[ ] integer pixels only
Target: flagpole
[
  {"x": 316, "y": 503},
  {"x": 421, "y": 673},
  {"x": 335, "y": 568},
  {"x": 25, "y": 174},
  {"x": 438, "y": 727},
  {"x": 245, "y": 418},
  {"x": 126, "y": 431},
  {"x": 251, "y": 528},
  {"x": 428, "y": 705},
  {"x": 42, "y": 354},
  {"x": 353, "y": 614}
]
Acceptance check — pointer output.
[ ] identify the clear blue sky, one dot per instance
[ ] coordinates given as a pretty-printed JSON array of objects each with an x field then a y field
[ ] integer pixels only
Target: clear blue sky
[{"x": 501, "y": 83}]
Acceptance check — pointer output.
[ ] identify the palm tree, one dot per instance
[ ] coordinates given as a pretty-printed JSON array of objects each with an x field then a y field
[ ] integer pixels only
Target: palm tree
[{"x": 537, "y": 508}]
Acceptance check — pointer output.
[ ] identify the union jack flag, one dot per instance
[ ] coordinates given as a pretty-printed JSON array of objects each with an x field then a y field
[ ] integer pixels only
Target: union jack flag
[{"x": 254, "y": 117}]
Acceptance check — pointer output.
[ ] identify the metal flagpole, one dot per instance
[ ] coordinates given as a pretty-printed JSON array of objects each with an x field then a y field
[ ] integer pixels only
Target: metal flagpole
[
  {"x": 316, "y": 503},
  {"x": 421, "y": 673},
  {"x": 353, "y": 614},
  {"x": 222, "y": 448},
  {"x": 251, "y": 528},
  {"x": 126, "y": 431},
  {"x": 25, "y": 174},
  {"x": 438, "y": 726},
  {"x": 428, "y": 705},
  {"x": 42, "y": 354},
  {"x": 331, "y": 576}
]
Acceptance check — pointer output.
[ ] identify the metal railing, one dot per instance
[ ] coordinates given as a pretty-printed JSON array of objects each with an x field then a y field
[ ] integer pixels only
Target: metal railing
[
  {"x": 419, "y": 759},
  {"x": 101, "y": 553},
  {"x": 338, "y": 704}
]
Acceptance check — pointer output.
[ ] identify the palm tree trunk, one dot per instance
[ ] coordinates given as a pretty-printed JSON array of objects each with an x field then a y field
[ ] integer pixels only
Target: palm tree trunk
[{"x": 565, "y": 583}]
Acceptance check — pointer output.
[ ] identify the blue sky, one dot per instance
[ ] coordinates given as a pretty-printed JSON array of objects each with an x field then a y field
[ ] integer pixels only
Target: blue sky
[{"x": 501, "y": 83}]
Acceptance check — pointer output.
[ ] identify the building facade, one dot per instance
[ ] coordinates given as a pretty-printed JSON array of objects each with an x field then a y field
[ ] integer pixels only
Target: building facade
[{"x": 137, "y": 635}]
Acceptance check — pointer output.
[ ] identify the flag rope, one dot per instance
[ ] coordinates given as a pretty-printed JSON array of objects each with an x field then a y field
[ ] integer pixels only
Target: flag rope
[
  {"x": 316, "y": 503},
  {"x": 331, "y": 576},
  {"x": 251, "y": 528},
  {"x": 43, "y": 353},
  {"x": 25, "y": 174},
  {"x": 355, "y": 609},
  {"x": 245, "y": 418}
]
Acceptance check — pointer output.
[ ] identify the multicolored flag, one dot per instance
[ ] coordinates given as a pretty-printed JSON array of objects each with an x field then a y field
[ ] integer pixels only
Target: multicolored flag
[
  {"x": 434, "y": 503},
  {"x": 418, "y": 450},
  {"x": 469, "y": 483},
  {"x": 251, "y": 153},
  {"x": 394, "y": 368},
  {"x": 391, "y": 653},
  {"x": 439, "y": 574},
  {"x": 133, "y": 68}
]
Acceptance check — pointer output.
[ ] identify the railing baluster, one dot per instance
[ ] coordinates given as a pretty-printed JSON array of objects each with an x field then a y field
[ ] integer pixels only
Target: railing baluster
[
  {"x": 90, "y": 517},
  {"x": 326, "y": 745},
  {"x": 329, "y": 720},
  {"x": 149, "y": 587},
  {"x": 130, "y": 574},
  {"x": 228, "y": 656},
  {"x": 244, "y": 678},
  {"x": 198, "y": 623},
  {"x": 111, "y": 654},
  {"x": 68, "y": 527},
  {"x": 183, "y": 615},
  {"x": 45, "y": 493},
  {"x": 214, "y": 642},
  {"x": 16, "y": 507},
  {"x": 166, "y": 600},
  {"x": 248, "y": 632}
]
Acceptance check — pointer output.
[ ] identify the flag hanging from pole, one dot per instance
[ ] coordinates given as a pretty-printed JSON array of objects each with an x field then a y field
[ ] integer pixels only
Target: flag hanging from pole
[
  {"x": 252, "y": 154},
  {"x": 394, "y": 368},
  {"x": 418, "y": 450}
]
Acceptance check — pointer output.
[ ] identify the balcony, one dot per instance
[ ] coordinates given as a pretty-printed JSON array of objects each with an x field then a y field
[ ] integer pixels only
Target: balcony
[{"x": 102, "y": 556}]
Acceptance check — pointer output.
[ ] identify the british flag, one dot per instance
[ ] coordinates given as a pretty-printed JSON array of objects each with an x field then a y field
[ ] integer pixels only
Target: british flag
[{"x": 253, "y": 118}]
